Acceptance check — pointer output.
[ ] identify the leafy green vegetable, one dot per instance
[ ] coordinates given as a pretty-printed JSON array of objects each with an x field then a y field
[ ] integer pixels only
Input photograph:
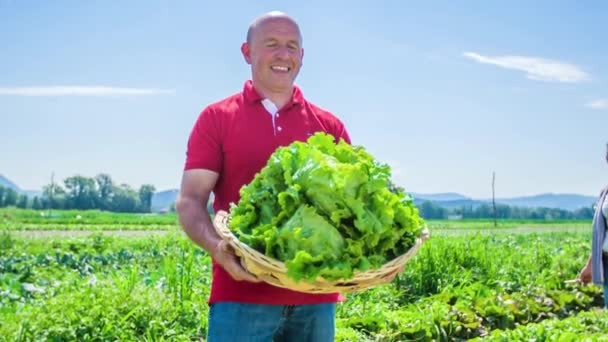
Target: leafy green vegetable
[{"x": 325, "y": 209}]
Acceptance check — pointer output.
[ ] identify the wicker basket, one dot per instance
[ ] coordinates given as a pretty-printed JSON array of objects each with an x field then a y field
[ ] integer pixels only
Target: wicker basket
[{"x": 274, "y": 272}]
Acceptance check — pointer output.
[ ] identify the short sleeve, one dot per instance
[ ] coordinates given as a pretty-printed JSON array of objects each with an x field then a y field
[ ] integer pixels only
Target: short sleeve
[
  {"x": 340, "y": 132},
  {"x": 204, "y": 149}
]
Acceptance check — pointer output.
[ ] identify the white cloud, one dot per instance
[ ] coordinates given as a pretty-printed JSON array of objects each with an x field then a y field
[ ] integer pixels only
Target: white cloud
[
  {"x": 538, "y": 69},
  {"x": 81, "y": 91},
  {"x": 598, "y": 104}
]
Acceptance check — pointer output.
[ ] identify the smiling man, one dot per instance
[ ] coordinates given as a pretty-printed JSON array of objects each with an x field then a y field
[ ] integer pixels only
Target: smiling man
[{"x": 230, "y": 142}]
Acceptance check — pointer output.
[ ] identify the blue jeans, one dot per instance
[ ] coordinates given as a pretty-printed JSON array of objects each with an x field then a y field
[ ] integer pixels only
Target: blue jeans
[
  {"x": 605, "y": 296},
  {"x": 259, "y": 322}
]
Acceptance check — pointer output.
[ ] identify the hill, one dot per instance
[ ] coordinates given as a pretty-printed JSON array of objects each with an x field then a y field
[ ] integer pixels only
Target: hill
[
  {"x": 163, "y": 200},
  {"x": 448, "y": 196},
  {"x": 561, "y": 201},
  {"x": 7, "y": 183}
]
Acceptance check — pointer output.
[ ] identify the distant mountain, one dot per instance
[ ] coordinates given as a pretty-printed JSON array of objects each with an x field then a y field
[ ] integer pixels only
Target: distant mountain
[
  {"x": 7, "y": 183},
  {"x": 164, "y": 199},
  {"x": 448, "y": 196},
  {"x": 561, "y": 201}
]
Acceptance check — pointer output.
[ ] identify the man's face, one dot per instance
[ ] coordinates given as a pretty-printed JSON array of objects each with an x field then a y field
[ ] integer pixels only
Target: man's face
[{"x": 275, "y": 54}]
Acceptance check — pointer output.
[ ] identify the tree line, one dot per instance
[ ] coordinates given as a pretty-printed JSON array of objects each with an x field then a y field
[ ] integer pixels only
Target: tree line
[
  {"x": 102, "y": 193},
  {"x": 432, "y": 211},
  {"x": 84, "y": 193}
]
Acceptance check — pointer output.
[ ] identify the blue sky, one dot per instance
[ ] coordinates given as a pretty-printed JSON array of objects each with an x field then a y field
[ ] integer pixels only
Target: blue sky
[{"x": 446, "y": 92}]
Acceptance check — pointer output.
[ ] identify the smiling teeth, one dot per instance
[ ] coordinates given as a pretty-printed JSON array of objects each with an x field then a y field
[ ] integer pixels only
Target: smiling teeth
[{"x": 280, "y": 68}]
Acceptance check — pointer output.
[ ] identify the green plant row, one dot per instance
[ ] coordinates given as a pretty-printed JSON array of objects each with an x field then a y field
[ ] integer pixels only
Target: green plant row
[
  {"x": 112, "y": 310},
  {"x": 16, "y": 215},
  {"x": 503, "y": 262},
  {"x": 585, "y": 326},
  {"x": 466, "y": 313},
  {"x": 131, "y": 290}
]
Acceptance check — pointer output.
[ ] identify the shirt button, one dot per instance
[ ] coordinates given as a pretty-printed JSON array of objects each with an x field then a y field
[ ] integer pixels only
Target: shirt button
[
  {"x": 277, "y": 115},
  {"x": 279, "y": 128}
]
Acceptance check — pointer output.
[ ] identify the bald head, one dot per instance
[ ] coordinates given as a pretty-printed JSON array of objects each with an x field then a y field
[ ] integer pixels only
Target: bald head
[{"x": 274, "y": 15}]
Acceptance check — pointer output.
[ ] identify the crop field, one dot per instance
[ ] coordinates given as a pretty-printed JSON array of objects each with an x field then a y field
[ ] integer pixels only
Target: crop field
[{"x": 470, "y": 281}]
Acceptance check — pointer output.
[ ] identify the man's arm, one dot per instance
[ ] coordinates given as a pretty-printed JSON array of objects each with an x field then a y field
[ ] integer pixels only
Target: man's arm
[{"x": 195, "y": 220}]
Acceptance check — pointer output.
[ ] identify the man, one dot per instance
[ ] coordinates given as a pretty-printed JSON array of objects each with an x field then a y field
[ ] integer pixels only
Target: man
[{"x": 230, "y": 142}]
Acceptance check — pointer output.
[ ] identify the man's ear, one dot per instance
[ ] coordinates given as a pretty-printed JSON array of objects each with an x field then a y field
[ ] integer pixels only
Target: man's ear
[{"x": 246, "y": 52}]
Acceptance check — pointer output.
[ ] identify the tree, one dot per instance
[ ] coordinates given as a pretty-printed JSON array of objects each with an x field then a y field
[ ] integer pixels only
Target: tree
[
  {"x": 431, "y": 211},
  {"x": 483, "y": 211},
  {"x": 82, "y": 193},
  {"x": 99, "y": 192},
  {"x": 503, "y": 211},
  {"x": 53, "y": 196},
  {"x": 105, "y": 187},
  {"x": 125, "y": 199},
  {"x": 583, "y": 213},
  {"x": 2, "y": 192},
  {"x": 36, "y": 204},
  {"x": 10, "y": 198},
  {"x": 146, "y": 192},
  {"x": 22, "y": 201}
]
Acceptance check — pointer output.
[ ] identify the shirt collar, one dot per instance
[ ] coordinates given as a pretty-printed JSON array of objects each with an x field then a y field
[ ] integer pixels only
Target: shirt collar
[{"x": 252, "y": 96}]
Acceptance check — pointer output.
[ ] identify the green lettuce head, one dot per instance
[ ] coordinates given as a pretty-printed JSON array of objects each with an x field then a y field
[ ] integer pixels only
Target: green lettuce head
[{"x": 325, "y": 209}]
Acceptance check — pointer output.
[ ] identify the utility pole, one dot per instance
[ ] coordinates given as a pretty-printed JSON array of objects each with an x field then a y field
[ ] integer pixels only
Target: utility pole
[
  {"x": 51, "y": 193},
  {"x": 493, "y": 199}
]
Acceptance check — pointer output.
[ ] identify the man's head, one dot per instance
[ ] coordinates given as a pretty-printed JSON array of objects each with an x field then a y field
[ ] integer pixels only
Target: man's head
[{"x": 274, "y": 50}]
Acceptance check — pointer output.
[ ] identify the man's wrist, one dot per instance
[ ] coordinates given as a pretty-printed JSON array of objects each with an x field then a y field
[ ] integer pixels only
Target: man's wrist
[{"x": 216, "y": 246}]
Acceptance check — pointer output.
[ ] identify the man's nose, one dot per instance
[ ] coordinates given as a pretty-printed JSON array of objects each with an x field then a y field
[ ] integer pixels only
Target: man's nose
[{"x": 282, "y": 52}]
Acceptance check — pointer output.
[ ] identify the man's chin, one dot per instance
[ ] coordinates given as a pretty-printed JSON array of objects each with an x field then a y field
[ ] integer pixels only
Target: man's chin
[{"x": 281, "y": 85}]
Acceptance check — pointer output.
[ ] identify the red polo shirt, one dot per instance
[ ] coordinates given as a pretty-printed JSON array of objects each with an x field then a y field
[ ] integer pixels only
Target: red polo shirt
[{"x": 235, "y": 138}]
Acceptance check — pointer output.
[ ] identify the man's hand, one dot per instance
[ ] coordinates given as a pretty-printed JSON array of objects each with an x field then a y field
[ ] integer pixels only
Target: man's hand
[{"x": 224, "y": 255}]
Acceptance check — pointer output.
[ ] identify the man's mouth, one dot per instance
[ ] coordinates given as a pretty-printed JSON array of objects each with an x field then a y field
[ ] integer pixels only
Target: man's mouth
[{"x": 280, "y": 68}]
